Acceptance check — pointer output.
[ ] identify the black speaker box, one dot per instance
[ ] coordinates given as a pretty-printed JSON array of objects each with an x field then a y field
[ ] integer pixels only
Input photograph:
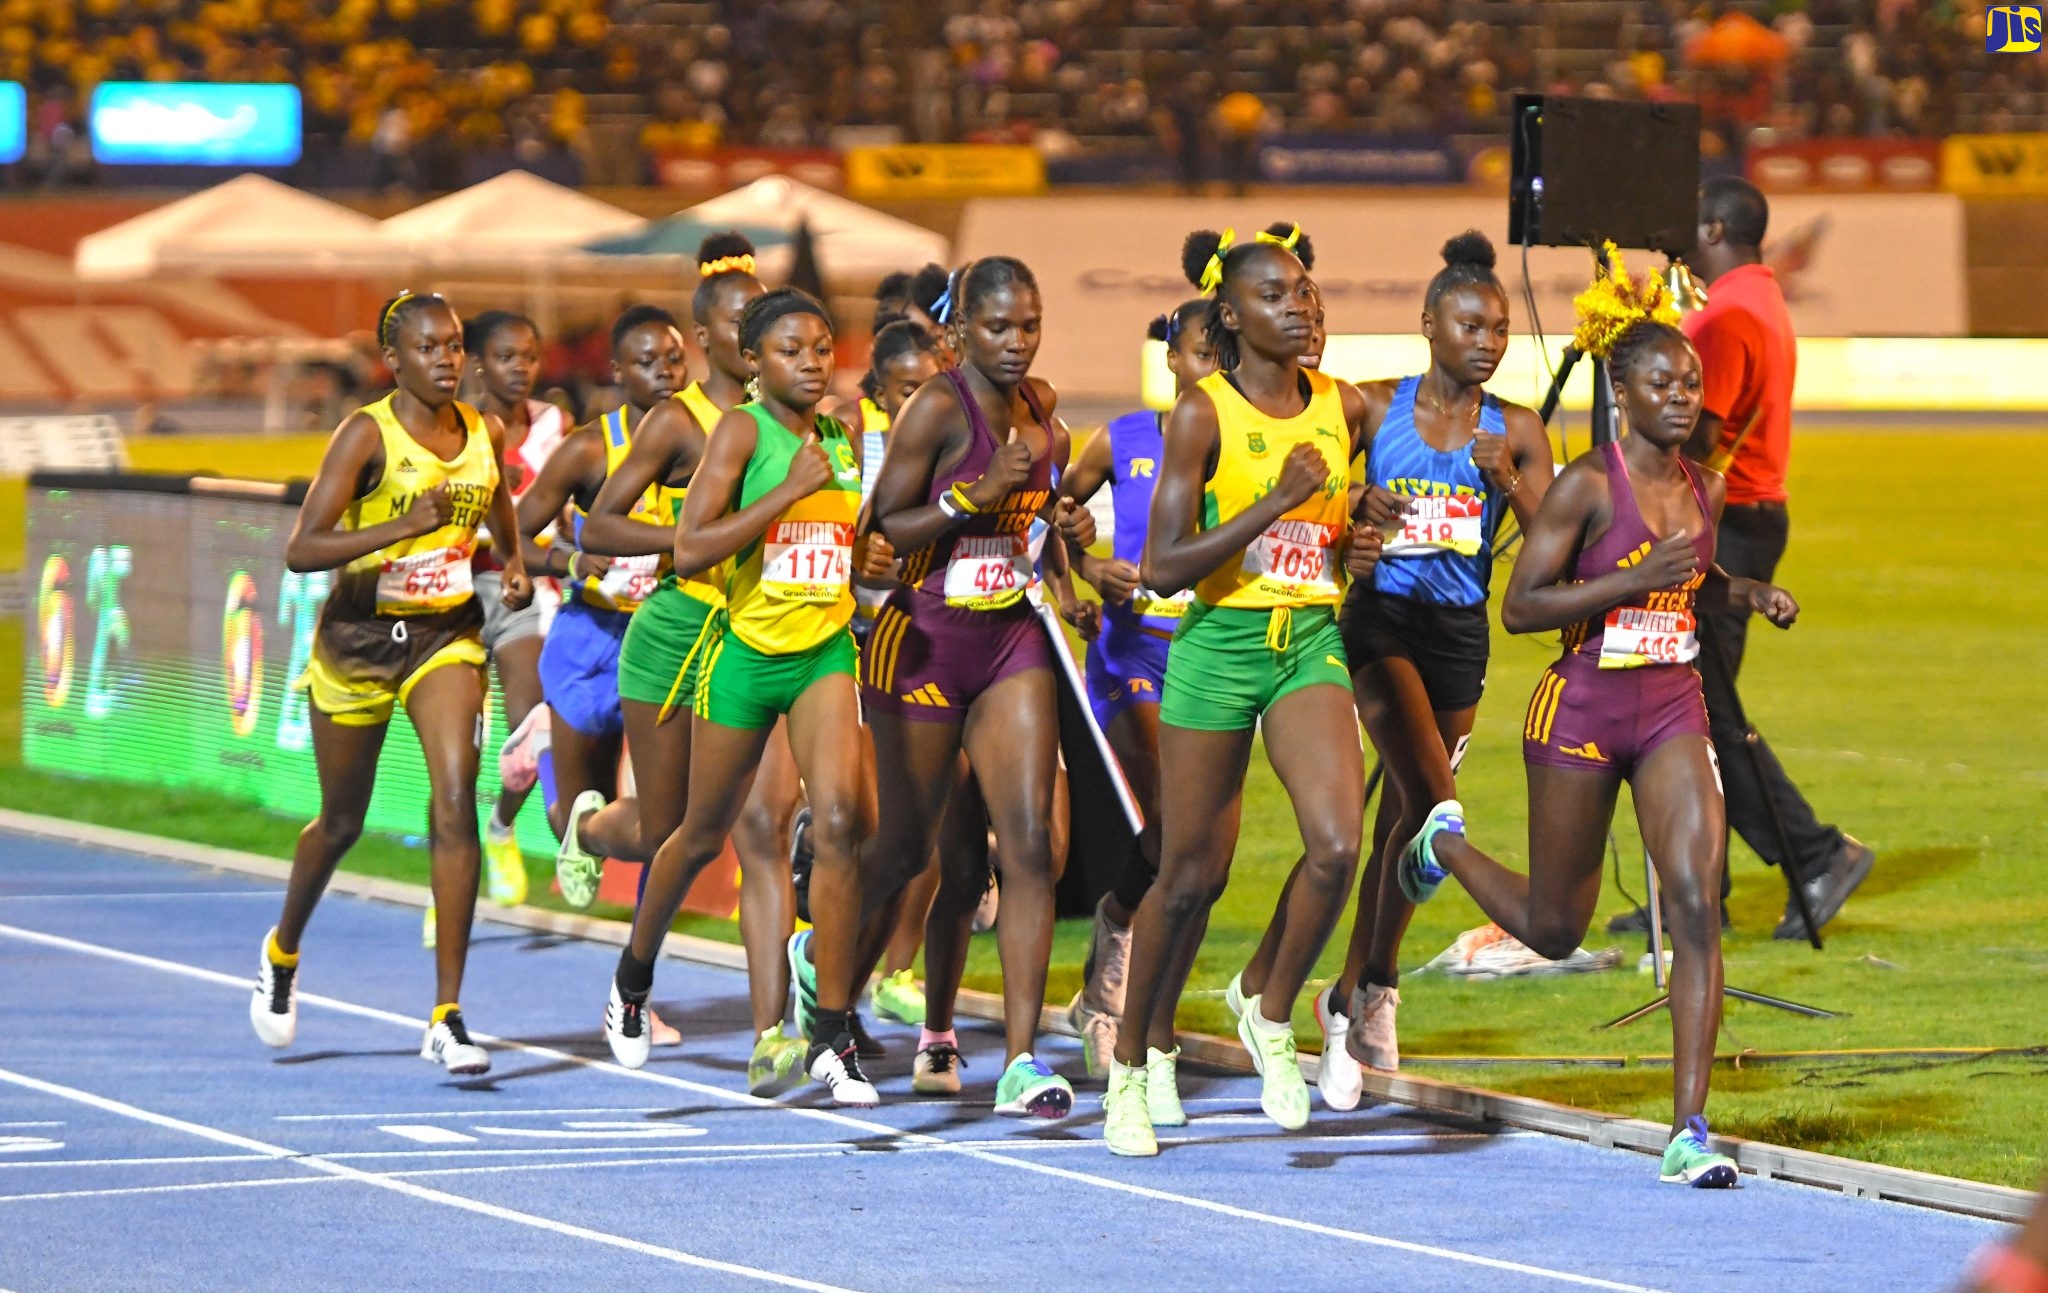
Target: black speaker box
[{"x": 1588, "y": 171}]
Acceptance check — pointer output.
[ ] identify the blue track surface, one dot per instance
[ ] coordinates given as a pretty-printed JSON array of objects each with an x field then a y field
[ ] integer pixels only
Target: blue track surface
[{"x": 148, "y": 1141}]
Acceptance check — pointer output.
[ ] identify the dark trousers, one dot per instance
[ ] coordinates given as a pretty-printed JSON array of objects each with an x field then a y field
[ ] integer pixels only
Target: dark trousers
[{"x": 1749, "y": 543}]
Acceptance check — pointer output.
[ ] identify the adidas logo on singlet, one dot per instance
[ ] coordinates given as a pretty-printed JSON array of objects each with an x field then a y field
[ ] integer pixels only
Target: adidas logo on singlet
[
  {"x": 1590, "y": 750},
  {"x": 405, "y": 467}
]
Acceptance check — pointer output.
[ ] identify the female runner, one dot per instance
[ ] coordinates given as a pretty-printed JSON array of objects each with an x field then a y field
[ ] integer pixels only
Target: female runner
[
  {"x": 1621, "y": 557},
  {"x": 774, "y": 504},
  {"x": 1252, "y": 511},
  {"x": 1455, "y": 461},
  {"x": 395, "y": 507}
]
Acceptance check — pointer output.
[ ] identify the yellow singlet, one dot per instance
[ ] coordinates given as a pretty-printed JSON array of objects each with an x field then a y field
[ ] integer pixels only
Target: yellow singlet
[
  {"x": 630, "y": 581},
  {"x": 430, "y": 573},
  {"x": 709, "y": 586},
  {"x": 1295, "y": 562}
]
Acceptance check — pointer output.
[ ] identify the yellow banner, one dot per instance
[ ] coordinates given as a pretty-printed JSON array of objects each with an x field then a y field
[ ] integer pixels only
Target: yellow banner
[
  {"x": 1980, "y": 164},
  {"x": 945, "y": 171}
]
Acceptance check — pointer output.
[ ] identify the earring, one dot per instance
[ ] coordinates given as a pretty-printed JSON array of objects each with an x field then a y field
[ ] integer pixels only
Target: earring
[{"x": 753, "y": 389}]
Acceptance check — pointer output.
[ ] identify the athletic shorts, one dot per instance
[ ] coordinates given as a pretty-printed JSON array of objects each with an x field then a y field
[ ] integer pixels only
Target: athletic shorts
[
  {"x": 1448, "y": 645},
  {"x": 1586, "y": 717},
  {"x": 579, "y": 668},
  {"x": 1126, "y": 666},
  {"x": 928, "y": 661},
  {"x": 1224, "y": 670},
  {"x": 670, "y": 635},
  {"x": 361, "y": 669},
  {"x": 739, "y": 686},
  {"x": 502, "y": 625}
]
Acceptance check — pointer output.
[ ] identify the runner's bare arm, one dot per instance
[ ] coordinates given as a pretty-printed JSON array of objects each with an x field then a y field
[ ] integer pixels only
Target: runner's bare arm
[
  {"x": 666, "y": 445},
  {"x": 711, "y": 531},
  {"x": 1541, "y": 592},
  {"x": 349, "y": 469},
  {"x": 1723, "y": 591},
  {"x": 1534, "y": 468},
  {"x": 516, "y": 588},
  {"x": 576, "y": 466},
  {"x": 1177, "y": 555}
]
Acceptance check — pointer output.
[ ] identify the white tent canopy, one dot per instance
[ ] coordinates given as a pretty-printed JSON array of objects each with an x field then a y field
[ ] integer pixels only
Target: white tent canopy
[
  {"x": 251, "y": 224},
  {"x": 853, "y": 242},
  {"x": 514, "y": 218}
]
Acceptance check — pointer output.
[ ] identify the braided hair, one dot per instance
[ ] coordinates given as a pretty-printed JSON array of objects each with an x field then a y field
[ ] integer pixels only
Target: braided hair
[
  {"x": 1469, "y": 259},
  {"x": 1636, "y": 340},
  {"x": 973, "y": 283},
  {"x": 402, "y": 307},
  {"x": 1205, "y": 246},
  {"x": 768, "y": 307},
  {"x": 722, "y": 258},
  {"x": 897, "y": 339}
]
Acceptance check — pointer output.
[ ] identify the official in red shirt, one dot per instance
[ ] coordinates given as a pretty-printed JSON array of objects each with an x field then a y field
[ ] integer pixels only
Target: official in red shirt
[{"x": 1748, "y": 357}]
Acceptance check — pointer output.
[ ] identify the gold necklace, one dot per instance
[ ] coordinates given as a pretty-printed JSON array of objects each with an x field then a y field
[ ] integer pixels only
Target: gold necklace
[{"x": 1443, "y": 412}]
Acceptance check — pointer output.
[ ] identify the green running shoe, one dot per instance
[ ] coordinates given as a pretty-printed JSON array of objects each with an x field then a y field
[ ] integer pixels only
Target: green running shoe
[
  {"x": 777, "y": 1065},
  {"x": 1688, "y": 1161},
  {"x": 1283, "y": 1094},
  {"x": 577, "y": 869},
  {"x": 803, "y": 982},
  {"x": 1417, "y": 869},
  {"x": 1029, "y": 1089},
  {"x": 1126, "y": 1126},
  {"x": 1162, "y": 1088},
  {"x": 900, "y": 999}
]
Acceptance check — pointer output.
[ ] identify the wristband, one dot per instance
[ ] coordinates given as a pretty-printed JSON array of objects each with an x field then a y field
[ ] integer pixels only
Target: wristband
[
  {"x": 959, "y": 496},
  {"x": 573, "y": 554},
  {"x": 953, "y": 510}
]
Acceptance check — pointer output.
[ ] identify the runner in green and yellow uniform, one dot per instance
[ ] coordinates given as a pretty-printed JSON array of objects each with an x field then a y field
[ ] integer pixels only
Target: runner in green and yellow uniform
[{"x": 774, "y": 505}]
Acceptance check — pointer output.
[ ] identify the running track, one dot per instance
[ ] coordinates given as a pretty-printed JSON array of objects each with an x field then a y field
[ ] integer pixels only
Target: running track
[{"x": 147, "y": 1141}]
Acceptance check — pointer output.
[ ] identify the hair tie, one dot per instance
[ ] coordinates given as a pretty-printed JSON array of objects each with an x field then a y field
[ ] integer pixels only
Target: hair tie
[
  {"x": 942, "y": 309},
  {"x": 1172, "y": 325},
  {"x": 727, "y": 264},
  {"x": 1287, "y": 243},
  {"x": 1212, "y": 273},
  {"x": 384, "y": 321}
]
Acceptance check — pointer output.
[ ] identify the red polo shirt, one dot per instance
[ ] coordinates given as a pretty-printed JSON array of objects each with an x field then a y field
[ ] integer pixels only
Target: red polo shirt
[{"x": 1747, "y": 360}]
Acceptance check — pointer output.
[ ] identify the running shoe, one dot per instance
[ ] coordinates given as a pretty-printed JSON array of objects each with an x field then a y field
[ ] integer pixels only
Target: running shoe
[
  {"x": 801, "y": 856},
  {"x": 1418, "y": 871},
  {"x": 869, "y": 1045},
  {"x": 662, "y": 1034},
  {"x": 274, "y": 1006},
  {"x": 1282, "y": 1093},
  {"x": 519, "y": 756},
  {"x": 1126, "y": 1122},
  {"x": 625, "y": 1027},
  {"x": 1162, "y": 1088},
  {"x": 447, "y": 1043},
  {"x": 1233, "y": 997},
  {"x": 1109, "y": 962},
  {"x": 840, "y": 1071},
  {"x": 577, "y": 869},
  {"x": 777, "y": 1063},
  {"x": 1372, "y": 1041},
  {"x": 1029, "y": 1089},
  {"x": 1490, "y": 952},
  {"x": 1096, "y": 1028},
  {"x": 899, "y": 998},
  {"x": 430, "y": 928},
  {"x": 936, "y": 1070},
  {"x": 1338, "y": 1076},
  {"x": 1688, "y": 1160},
  {"x": 504, "y": 866},
  {"x": 990, "y": 908},
  {"x": 803, "y": 982}
]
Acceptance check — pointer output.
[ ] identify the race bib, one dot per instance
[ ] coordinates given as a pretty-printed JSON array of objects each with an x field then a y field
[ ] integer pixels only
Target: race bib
[
  {"x": 807, "y": 561},
  {"x": 988, "y": 571},
  {"x": 1439, "y": 523},
  {"x": 629, "y": 581},
  {"x": 1295, "y": 558},
  {"x": 1635, "y": 637},
  {"x": 436, "y": 578}
]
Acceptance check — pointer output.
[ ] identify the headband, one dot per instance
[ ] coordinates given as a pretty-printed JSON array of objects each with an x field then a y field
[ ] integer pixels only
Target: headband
[
  {"x": 743, "y": 264},
  {"x": 1212, "y": 273},
  {"x": 384, "y": 320}
]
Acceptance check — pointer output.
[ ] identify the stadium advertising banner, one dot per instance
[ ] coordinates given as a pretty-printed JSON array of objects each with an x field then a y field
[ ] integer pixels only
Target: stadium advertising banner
[
  {"x": 1359, "y": 159},
  {"x": 1847, "y": 165},
  {"x": 1861, "y": 265},
  {"x": 13, "y": 121},
  {"x": 731, "y": 168},
  {"x": 1980, "y": 165},
  {"x": 151, "y": 124},
  {"x": 164, "y": 634},
  {"x": 944, "y": 171}
]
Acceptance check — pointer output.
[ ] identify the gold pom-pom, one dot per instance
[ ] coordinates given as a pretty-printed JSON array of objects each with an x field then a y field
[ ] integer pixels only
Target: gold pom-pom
[{"x": 1614, "y": 301}]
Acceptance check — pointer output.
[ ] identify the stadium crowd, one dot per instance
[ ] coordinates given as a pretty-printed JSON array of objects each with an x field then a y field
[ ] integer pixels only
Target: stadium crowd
[{"x": 427, "y": 94}]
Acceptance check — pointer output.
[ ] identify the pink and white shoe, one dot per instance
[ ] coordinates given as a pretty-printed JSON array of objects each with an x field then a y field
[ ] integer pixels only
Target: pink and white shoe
[{"x": 519, "y": 756}]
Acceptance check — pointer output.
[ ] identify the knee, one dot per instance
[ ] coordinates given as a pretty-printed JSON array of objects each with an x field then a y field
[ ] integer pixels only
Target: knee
[
  {"x": 1327, "y": 865},
  {"x": 1692, "y": 906},
  {"x": 759, "y": 832},
  {"x": 836, "y": 829},
  {"x": 338, "y": 831},
  {"x": 1187, "y": 898},
  {"x": 450, "y": 807},
  {"x": 1027, "y": 845},
  {"x": 1553, "y": 942}
]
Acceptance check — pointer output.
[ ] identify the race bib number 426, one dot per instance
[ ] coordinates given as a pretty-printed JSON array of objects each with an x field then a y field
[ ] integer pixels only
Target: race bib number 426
[
  {"x": 438, "y": 577},
  {"x": 807, "y": 561},
  {"x": 1440, "y": 524},
  {"x": 988, "y": 571},
  {"x": 1635, "y": 637}
]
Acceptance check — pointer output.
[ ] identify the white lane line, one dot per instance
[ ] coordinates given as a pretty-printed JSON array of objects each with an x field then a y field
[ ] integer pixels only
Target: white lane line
[
  {"x": 444, "y": 1113},
  {"x": 31, "y": 1124},
  {"x": 865, "y": 1126},
  {"x": 428, "y": 1134},
  {"x": 423, "y": 1193},
  {"x": 140, "y": 1162},
  {"x": 123, "y": 1191},
  {"x": 89, "y": 896}
]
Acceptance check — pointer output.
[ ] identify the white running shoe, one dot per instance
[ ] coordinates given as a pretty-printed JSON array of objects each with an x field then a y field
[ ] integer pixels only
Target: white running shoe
[
  {"x": 1234, "y": 998},
  {"x": 841, "y": 1073},
  {"x": 447, "y": 1043},
  {"x": 1244, "y": 1008},
  {"x": 274, "y": 1006},
  {"x": 577, "y": 869},
  {"x": 1490, "y": 952},
  {"x": 936, "y": 1070},
  {"x": 1162, "y": 1088},
  {"x": 1096, "y": 1028},
  {"x": 1108, "y": 964},
  {"x": 1338, "y": 1075},
  {"x": 625, "y": 1027},
  {"x": 1372, "y": 1041}
]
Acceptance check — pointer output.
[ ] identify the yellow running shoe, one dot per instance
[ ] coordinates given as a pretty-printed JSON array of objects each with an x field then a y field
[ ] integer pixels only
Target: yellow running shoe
[{"x": 504, "y": 867}]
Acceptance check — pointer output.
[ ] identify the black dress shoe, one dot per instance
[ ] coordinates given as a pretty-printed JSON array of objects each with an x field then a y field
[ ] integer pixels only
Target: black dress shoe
[
  {"x": 1637, "y": 921},
  {"x": 1827, "y": 890}
]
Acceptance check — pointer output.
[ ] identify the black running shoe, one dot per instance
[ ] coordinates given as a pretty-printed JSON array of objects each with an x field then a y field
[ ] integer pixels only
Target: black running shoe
[
  {"x": 870, "y": 1049},
  {"x": 800, "y": 856}
]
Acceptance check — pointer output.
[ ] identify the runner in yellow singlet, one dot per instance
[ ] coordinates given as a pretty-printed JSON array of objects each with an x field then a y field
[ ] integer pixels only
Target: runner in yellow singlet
[{"x": 394, "y": 510}]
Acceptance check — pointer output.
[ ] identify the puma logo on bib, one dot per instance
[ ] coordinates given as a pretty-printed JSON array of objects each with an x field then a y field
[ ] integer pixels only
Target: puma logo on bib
[
  {"x": 807, "y": 561},
  {"x": 1634, "y": 637},
  {"x": 439, "y": 577},
  {"x": 1297, "y": 559},
  {"x": 1440, "y": 523},
  {"x": 988, "y": 571}
]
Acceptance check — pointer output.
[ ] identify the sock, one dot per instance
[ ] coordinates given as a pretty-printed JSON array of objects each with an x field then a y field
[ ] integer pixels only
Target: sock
[
  {"x": 277, "y": 955},
  {"x": 1376, "y": 980},
  {"x": 444, "y": 1010},
  {"x": 828, "y": 1027},
  {"x": 546, "y": 764},
  {"x": 498, "y": 825},
  {"x": 635, "y": 976},
  {"x": 926, "y": 1037},
  {"x": 1255, "y": 1014}
]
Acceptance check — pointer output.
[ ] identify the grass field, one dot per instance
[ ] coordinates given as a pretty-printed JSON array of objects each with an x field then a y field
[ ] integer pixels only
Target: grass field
[{"x": 1906, "y": 703}]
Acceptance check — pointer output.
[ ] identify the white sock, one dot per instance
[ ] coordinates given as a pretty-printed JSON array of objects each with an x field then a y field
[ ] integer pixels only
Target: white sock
[
  {"x": 498, "y": 825},
  {"x": 1255, "y": 1012}
]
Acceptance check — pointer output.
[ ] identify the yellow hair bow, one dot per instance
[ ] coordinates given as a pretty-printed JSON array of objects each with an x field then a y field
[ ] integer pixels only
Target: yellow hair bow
[
  {"x": 726, "y": 264},
  {"x": 1212, "y": 273},
  {"x": 1293, "y": 237}
]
